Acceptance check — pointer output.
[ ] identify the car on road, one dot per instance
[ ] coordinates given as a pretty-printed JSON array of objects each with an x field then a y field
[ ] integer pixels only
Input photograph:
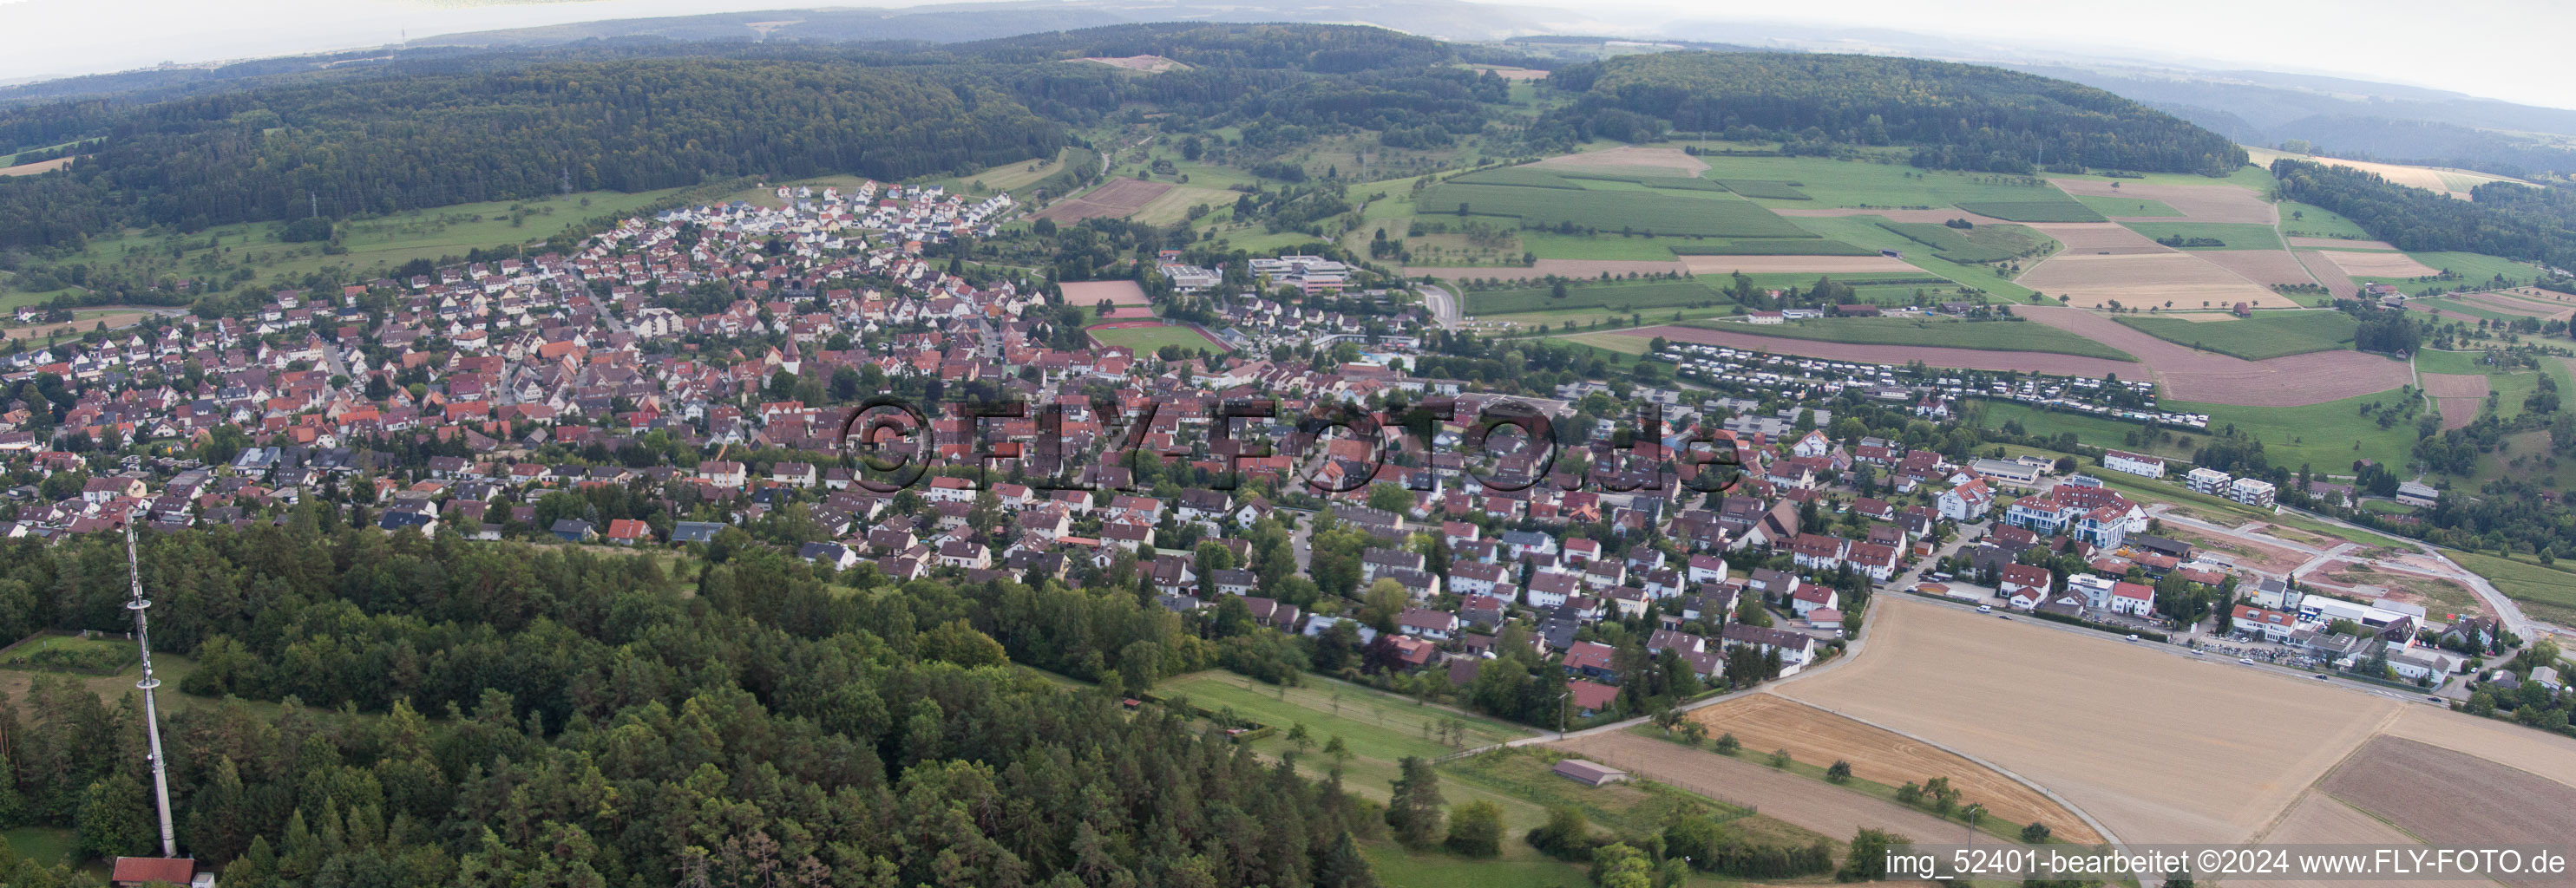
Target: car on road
[
  {"x": 2245, "y": 660},
  {"x": 1985, "y": 608},
  {"x": 2319, "y": 677},
  {"x": 2133, "y": 636},
  {"x": 2003, "y": 616},
  {"x": 2436, "y": 699}
]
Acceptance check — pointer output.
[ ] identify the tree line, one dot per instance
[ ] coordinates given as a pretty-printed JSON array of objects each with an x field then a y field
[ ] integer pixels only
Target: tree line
[{"x": 2505, "y": 219}]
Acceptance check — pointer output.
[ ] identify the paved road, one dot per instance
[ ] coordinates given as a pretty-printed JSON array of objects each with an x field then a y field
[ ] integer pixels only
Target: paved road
[
  {"x": 2503, "y": 607},
  {"x": 1443, "y": 305}
]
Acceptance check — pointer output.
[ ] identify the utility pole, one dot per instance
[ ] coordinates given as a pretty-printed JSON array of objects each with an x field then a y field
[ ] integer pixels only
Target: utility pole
[{"x": 151, "y": 712}]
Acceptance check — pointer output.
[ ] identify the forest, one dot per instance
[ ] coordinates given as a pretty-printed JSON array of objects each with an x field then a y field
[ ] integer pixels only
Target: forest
[
  {"x": 2504, "y": 219},
  {"x": 1959, "y": 116},
  {"x": 497, "y": 715}
]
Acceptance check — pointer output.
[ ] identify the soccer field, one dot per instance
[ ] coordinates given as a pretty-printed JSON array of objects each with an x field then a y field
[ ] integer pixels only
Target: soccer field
[{"x": 1149, "y": 340}]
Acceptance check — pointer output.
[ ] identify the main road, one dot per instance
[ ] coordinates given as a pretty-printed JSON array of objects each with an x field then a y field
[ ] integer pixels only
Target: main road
[{"x": 1443, "y": 304}]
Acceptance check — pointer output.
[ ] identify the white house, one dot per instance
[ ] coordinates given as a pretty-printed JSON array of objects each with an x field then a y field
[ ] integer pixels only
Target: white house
[
  {"x": 1705, "y": 569},
  {"x": 2134, "y": 463},
  {"x": 2209, "y": 481},
  {"x": 1967, "y": 502},
  {"x": 2134, "y": 599},
  {"x": 2096, "y": 590}
]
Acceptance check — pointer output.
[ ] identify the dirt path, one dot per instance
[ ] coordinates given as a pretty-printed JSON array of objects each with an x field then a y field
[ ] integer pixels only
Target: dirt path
[
  {"x": 1835, "y": 812},
  {"x": 2191, "y": 375}
]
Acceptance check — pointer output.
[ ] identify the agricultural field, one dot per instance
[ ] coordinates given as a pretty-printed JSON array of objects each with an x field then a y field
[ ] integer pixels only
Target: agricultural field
[
  {"x": 1758, "y": 339},
  {"x": 2455, "y": 182},
  {"x": 1777, "y": 793},
  {"x": 1661, "y": 210},
  {"x": 2251, "y": 744},
  {"x": 1621, "y": 296},
  {"x": 2117, "y": 206},
  {"x": 1872, "y": 264},
  {"x": 2371, "y": 264},
  {"x": 2268, "y": 268},
  {"x": 1866, "y": 184},
  {"x": 2312, "y": 378},
  {"x": 2449, "y": 798},
  {"x": 1984, "y": 243},
  {"x": 1867, "y": 231},
  {"x": 1983, "y": 335},
  {"x": 2237, "y": 201},
  {"x": 2311, "y": 221},
  {"x": 2172, "y": 281},
  {"x": 2269, "y": 334},
  {"x": 1765, "y": 722},
  {"x": 1765, "y": 189},
  {"x": 2235, "y": 235},
  {"x": 2041, "y": 210},
  {"x": 2100, "y": 238},
  {"x": 1115, "y": 199},
  {"x": 1755, "y": 246}
]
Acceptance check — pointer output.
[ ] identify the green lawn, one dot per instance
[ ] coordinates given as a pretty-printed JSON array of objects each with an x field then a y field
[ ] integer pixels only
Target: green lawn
[
  {"x": 1399, "y": 867},
  {"x": 2236, "y": 235},
  {"x": 46, "y": 846},
  {"x": 1615, "y": 297},
  {"x": 2115, "y": 205},
  {"x": 1150, "y": 340},
  {"x": 2478, "y": 267},
  {"x": 1861, "y": 183},
  {"x": 74, "y": 653},
  {"x": 2269, "y": 334},
  {"x": 2547, "y": 593},
  {"x": 2094, "y": 430},
  {"x": 1868, "y": 232},
  {"x": 1990, "y": 335}
]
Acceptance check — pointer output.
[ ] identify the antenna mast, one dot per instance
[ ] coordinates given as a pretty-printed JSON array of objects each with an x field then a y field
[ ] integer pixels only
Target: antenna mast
[{"x": 151, "y": 712}]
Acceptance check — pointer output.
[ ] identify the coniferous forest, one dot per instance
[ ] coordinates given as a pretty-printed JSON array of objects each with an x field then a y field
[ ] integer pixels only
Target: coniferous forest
[
  {"x": 490, "y": 714},
  {"x": 2503, "y": 219}
]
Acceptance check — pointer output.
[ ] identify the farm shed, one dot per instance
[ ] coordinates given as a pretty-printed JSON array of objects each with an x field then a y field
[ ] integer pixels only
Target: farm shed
[{"x": 1590, "y": 773}]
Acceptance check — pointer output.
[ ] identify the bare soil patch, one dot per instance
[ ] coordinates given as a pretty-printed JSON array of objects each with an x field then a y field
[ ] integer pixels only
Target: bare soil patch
[
  {"x": 2185, "y": 280},
  {"x": 2243, "y": 552},
  {"x": 2338, "y": 243},
  {"x": 2096, "y": 238},
  {"x": 2312, "y": 378},
  {"x": 2548, "y": 755},
  {"x": 2457, "y": 394},
  {"x": 2456, "y": 799},
  {"x": 1972, "y": 359},
  {"x": 1564, "y": 268},
  {"x": 2161, "y": 748},
  {"x": 1789, "y": 797},
  {"x": 2199, "y": 203},
  {"x": 2396, "y": 265},
  {"x": 1665, "y": 161},
  {"x": 1125, "y": 296},
  {"x": 2266, "y": 267},
  {"x": 1112, "y": 201},
  {"x": 1797, "y": 264},
  {"x": 1768, "y": 721},
  {"x": 41, "y": 166}
]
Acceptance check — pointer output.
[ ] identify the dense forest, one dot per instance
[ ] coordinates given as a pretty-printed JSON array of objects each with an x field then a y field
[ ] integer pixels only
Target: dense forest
[
  {"x": 389, "y": 144},
  {"x": 2504, "y": 219},
  {"x": 491, "y": 715},
  {"x": 1960, "y": 116}
]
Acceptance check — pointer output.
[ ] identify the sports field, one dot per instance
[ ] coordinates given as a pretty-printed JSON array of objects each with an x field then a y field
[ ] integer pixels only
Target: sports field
[
  {"x": 2268, "y": 334},
  {"x": 1982, "y": 335}
]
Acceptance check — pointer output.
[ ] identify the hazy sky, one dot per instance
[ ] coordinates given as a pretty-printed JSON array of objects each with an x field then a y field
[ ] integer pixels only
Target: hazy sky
[{"x": 2507, "y": 49}]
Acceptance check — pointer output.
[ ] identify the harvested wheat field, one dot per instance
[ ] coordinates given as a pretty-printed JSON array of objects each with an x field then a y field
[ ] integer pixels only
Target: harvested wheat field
[
  {"x": 1929, "y": 216},
  {"x": 2455, "y": 799},
  {"x": 2183, "y": 279},
  {"x": 1965, "y": 358},
  {"x": 1544, "y": 268},
  {"x": 2547, "y": 755},
  {"x": 2454, "y": 182},
  {"x": 2096, "y": 238},
  {"x": 2295, "y": 380},
  {"x": 2337, "y": 243},
  {"x": 1767, "y": 721},
  {"x": 2266, "y": 267},
  {"x": 41, "y": 166},
  {"x": 1630, "y": 158},
  {"x": 1797, "y": 264},
  {"x": 2337, "y": 281},
  {"x": 1799, "y": 800},
  {"x": 2393, "y": 265},
  {"x": 1112, "y": 201},
  {"x": 2457, "y": 394},
  {"x": 2159, "y": 748},
  {"x": 2199, "y": 203},
  {"x": 2318, "y": 819}
]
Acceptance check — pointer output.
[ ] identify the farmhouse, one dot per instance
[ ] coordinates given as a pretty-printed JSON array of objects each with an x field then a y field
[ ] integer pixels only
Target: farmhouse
[{"x": 2134, "y": 463}]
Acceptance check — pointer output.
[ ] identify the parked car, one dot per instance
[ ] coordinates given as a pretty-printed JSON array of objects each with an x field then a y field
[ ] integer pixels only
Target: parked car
[{"x": 2249, "y": 661}]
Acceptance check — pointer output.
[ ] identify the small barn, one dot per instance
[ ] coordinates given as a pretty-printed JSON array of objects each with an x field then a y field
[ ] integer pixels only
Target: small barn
[{"x": 1590, "y": 773}]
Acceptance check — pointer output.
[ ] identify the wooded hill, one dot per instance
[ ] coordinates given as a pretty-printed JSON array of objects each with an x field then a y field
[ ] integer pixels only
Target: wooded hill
[
  {"x": 2505, "y": 219},
  {"x": 1960, "y": 116}
]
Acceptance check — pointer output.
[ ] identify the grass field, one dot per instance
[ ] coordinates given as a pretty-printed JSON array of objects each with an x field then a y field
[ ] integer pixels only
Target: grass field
[
  {"x": 2547, "y": 593},
  {"x": 2062, "y": 208},
  {"x": 2112, "y": 205},
  {"x": 1989, "y": 335},
  {"x": 1984, "y": 243},
  {"x": 2093, "y": 430},
  {"x": 2237, "y": 235},
  {"x": 1380, "y": 729},
  {"x": 46, "y": 846},
  {"x": 1662, "y": 211},
  {"x": 1623, "y": 296},
  {"x": 1149, "y": 340},
  {"x": 2458, "y": 307},
  {"x": 1866, "y": 232},
  {"x": 2266, "y": 335},
  {"x": 1755, "y": 246},
  {"x": 2307, "y": 220},
  {"x": 2478, "y": 267},
  {"x": 1550, "y": 245},
  {"x": 1852, "y": 183},
  {"x": 1766, "y": 189},
  {"x": 2328, "y": 436},
  {"x": 72, "y": 652}
]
